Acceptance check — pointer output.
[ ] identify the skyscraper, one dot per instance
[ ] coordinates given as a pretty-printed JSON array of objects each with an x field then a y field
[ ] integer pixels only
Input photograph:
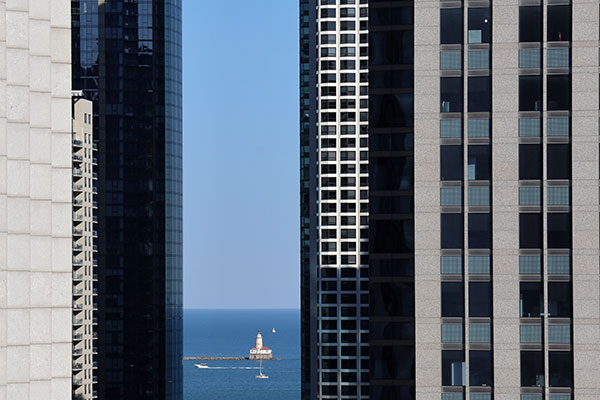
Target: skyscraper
[
  {"x": 483, "y": 261},
  {"x": 127, "y": 61},
  {"x": 35, "y": 200}
]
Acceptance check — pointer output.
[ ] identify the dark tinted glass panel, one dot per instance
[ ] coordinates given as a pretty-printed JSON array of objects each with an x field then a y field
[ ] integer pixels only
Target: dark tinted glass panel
[
  {"x": 530, "y": 161},
  {"x": 559, "y": 92},
  {"x": 530, "y": 230},
  {"x": 559, "y": 23},
  {"x": 391, "y": 142},
  {"x": 531, "y": 298},
  {"x": 480, "y": 25},
  {"x": 391, "y": 111},
  {"x": 392, "y": 299},
  {"x": 392, "y": 204},
  {"x": 451, "y": 26},
  {"x": 391, "y": 79},
  {"x": 532, "y": 368},
  {"x": 453, "y": 368},
  {"x": 559, "y": 299},
  {"x": 392, "y": 362},
  {"x": 453, "y": 299},
  {"x": 451, "y": 94},
  {"x": 481, "y": 367},
  {"x": 480, "y": 231},
  {"x": 559, "y": 161},
  {"x": 391, "y": 236},
  {"x": 452, "y": 163},
  {"x": 391, "y": 47},
  {"x": 452, "y": 231},
  {"x": 392, "y": 267},
  {"x": 391, "y": 173},
  {"x": 530, "y": 93},
  {"x": 530, "y": 24},
  {"x": 392, "y": 331},
  {"x": 480, "y": 299},
  {"x": 390, "y": 16},
  {"x": 391, "y": 392},
  {"x": 559, "y": 230},
  {"x": 480, "y": 94},
  {"x": 479, "y": 163},
  {"x": 560, "y": 366}
]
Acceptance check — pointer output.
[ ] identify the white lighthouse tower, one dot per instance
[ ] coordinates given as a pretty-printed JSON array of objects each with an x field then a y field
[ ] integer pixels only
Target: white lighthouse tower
[{"x": 260, "y": 352}]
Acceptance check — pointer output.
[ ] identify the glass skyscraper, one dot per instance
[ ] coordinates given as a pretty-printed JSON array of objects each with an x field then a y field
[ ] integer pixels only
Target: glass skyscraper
[{"x": 127, "y": 60}]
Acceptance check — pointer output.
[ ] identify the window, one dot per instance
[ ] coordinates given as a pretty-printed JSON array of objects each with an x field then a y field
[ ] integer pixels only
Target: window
[
  {"x": 481, "y": 367},
  {"x": 559, "y": 230},
  {"x": 530, "y": 93},
  {"x": 452, "y": 231},
  {"x": 560, "y": 368},
  {"x": 559, "y": 161},
  {"x": 451, "y": 94},
  {"x": 453, "y": 299},
  {"x": 530, "y": 24},
  {"x": 480, "y": 25},
  {"x": 480, "y": 299},
  {"x": 451, "y": 26},
  {"x": 480, "y": 94},
  {"x": 531, "y": 298},
  {"x": 479, "y": 163},
  {"x": 559, "y": 23},
  {"x": 530, "y": 161},
  {"x": 532, "y": 368},
  {"x": 559, "y": 92},
  {"x": 453, "y": 368},
  {"x": 530, "y": 230},
  {"x": 480, "y": 231},
  {"x": 451, "y": 163},
  {"x": 559, "y": 299}
]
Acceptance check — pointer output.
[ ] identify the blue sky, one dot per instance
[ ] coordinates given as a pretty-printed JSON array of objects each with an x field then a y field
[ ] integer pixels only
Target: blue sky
[{"x": 241, "y": 202}]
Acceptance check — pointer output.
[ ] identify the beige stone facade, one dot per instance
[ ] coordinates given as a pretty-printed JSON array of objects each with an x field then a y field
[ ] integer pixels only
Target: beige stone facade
[
  {"x": 84, "y": 248},
  {"x": 35, "y": 200}
]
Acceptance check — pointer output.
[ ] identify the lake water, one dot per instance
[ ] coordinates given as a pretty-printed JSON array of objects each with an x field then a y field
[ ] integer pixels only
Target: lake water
[{"x": 231, "y": 333}]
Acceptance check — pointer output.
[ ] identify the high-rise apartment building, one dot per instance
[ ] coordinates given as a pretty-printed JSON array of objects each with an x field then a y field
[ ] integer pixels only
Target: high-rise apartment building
[
  {"x": 84, "y": 250},
  {"x": 127, "y": 61},
  {"x": 35, "y": 200},
  {"x": 483, "y": 269}
]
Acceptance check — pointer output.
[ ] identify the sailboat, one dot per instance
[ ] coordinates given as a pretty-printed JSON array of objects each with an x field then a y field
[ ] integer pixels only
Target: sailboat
[{"x": 260, "y": 374}]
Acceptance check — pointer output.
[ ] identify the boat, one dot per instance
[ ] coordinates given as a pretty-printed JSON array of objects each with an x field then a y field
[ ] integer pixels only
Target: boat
[
  {"x": 274, "y": 331},
  {"x": 260, "y": 374},
  {"x": 201, "y": 366}
]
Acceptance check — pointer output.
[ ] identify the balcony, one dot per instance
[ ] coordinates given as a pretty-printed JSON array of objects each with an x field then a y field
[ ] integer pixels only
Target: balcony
[
  {"x": 77, "y": 187},
  {"x": 77, "y": 217},
  {"x": 77, "y": 158},
  {"x": 77, "y": 277},
  {"x": 77, "y": 172},
  {"x": 77, "y": 292},
  {"x": 95, "y": 321},
  {"x": 77, "y": 261},
  {"x": 95, "y": 204},
  {"x": 77, "y": 306},
  {"x": 95, "y": 277},
  {"x": 77, "y": 336},
  {"x": 95, "y": 263},
  {"x": 77, "y": 321},
  {"x": 77, "y": 366},
  {"x": 77, "y": 247},
  {"x": 77, "y": 232},
  {"x": 77, "y": 143},
  {"x": 95, "y": 247},
  {"x": 77, "y": 382},
  {"x": 78, "y": 203},
  {"x": 95, "y": 364},
  {"x": 94, "y": 175},
  {"x": 77, "y": 352}
]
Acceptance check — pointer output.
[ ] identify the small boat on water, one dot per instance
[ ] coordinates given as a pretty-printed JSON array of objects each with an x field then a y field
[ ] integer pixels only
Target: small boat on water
[
  {"x": 274, "y": 331},
  {"x": 260, "y": 374},
  {"x": 202, "y": 366}
]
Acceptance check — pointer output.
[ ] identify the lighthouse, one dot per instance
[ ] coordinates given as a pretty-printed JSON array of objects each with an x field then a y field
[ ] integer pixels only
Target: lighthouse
[{"x": 260, "y": 352}]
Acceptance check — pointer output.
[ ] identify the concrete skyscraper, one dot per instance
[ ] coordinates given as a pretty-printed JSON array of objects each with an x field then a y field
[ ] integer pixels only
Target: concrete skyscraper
[
  {"x": 127, "y": 61},
  {"x": 35, "y": 200},
  {"x": 482, "y": 277}
]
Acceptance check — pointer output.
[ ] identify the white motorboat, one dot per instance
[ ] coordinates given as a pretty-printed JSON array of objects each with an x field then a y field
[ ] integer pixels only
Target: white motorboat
[{"x": 201, "y": 366}]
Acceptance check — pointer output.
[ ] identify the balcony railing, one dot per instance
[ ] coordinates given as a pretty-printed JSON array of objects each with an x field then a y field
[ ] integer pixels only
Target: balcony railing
[
  {"x": 77, "y": 366},
  {"x": 77, "y": 143},
  {"x": 77, "y": 261}
]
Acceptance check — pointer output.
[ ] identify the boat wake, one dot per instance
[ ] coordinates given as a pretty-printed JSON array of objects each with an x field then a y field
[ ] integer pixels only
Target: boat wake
[{"x": 228, "y": 368}]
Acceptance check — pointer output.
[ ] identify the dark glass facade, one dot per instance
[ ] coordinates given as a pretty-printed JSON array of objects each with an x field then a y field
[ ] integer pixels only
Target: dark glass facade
[
  {"x": 391, "y": 211},
  {"x": 127, "y": 60}
]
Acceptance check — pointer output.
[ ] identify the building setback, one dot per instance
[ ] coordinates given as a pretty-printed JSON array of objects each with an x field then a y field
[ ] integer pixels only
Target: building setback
[
  {"x": 483, "y": 261},
  {"x": 35, "y": 200},
  {"x": 127, "y": 61}
]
